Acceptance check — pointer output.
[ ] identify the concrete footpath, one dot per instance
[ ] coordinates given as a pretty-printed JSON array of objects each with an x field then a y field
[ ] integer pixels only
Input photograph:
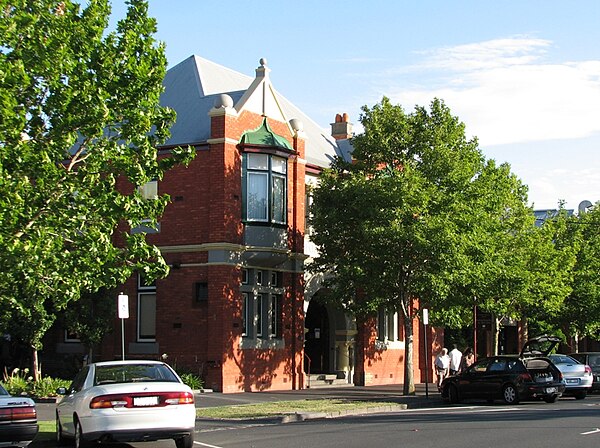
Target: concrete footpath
[{"x": 392, "y": 394}]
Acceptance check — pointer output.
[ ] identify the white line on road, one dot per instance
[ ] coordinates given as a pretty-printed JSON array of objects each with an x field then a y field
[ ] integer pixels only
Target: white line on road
[
  {"x": 594, "y": 431},
  {"x": 207, "y": 445}
]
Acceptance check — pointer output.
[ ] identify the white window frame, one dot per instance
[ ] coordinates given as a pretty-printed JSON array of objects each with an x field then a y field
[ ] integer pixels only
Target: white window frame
[{"x": 261, "y": 206}]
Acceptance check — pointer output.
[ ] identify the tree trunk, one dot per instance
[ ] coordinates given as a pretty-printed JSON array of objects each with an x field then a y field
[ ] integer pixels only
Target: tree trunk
[
  {"x": 37, "y": 374},
  {"x": 496, "y": 334},
  {"x": 409, "y": 378}
]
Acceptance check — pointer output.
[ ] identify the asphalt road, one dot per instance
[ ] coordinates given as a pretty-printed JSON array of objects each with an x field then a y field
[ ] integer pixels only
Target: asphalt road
[{"x": 567, "y": 423}]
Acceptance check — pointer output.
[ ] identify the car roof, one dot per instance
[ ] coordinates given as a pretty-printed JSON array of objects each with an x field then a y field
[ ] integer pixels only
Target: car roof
[{"x": 127, "y": 362}]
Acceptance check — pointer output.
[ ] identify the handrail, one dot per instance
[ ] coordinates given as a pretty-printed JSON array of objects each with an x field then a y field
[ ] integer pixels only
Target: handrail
[{"x": 308, "y": 373}]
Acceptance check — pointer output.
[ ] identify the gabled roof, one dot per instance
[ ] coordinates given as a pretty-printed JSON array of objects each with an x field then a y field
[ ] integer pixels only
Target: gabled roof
[{"x": 193, "y": 86}]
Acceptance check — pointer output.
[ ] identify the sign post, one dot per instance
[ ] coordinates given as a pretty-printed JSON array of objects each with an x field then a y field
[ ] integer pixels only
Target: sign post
[
  {"x": 425, "y": 322},
  {"x": 123, "y": 310}
]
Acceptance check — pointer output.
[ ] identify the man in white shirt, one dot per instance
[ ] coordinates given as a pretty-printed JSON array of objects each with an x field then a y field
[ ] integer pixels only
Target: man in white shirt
[
  {"x": 442, "y": 362},
  {"x": 455, "y": 359}
]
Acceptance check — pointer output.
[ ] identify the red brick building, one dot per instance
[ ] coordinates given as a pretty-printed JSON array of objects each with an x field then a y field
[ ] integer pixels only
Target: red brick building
[{"x": 237, "y": 306}]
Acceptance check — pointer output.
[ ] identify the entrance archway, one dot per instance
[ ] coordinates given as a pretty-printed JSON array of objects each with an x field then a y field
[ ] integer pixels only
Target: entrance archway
[{"x": 316, "y": 343}]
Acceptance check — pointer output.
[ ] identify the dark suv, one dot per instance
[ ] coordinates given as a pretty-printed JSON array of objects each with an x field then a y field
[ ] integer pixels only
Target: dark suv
[{"x": 512, "y": 378}]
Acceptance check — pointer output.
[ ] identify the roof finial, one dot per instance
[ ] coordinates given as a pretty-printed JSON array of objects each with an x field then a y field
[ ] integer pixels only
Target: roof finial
[{"x": 263, "y": 62}]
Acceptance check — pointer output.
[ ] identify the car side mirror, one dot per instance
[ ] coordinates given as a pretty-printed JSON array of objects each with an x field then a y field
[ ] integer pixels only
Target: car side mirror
[{"x": 61, "y": 391}]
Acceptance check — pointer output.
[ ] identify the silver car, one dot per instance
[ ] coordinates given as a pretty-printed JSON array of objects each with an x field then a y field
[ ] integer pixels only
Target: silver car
[{"x": 577, "y": 376}]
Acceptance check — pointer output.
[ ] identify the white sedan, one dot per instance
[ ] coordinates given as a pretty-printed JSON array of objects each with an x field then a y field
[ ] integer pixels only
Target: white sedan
[{"x": 126, "y": 401}]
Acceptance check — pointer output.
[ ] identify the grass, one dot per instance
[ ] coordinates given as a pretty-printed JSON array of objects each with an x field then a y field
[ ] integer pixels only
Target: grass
[{"x": 286, "y": 407}]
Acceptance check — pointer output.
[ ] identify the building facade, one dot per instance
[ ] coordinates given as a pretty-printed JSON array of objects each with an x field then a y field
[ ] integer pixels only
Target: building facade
[{"x": 238, "y": 307}]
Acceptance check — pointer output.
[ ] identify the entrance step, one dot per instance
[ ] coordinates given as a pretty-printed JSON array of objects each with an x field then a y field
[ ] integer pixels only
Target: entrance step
[{"x": 324, "y": 380}]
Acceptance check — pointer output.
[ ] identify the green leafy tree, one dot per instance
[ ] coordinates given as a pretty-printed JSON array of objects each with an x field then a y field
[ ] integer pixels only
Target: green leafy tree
[
  {"x": 79, "y": 118},
  {"x": 579, "y": 235},
  {"x": 513, "y": 269},
  {"x": 400, "y": 223}
]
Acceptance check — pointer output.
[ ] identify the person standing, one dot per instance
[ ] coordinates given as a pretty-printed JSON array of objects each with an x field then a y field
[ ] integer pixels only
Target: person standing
[
  {"x": 442, "y": 364},
  {"x": 467, "y": 359},
  {"x": 455, "y": 359}
]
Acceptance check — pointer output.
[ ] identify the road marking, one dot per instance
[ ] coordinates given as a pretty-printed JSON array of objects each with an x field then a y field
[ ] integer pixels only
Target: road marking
[
  {"x": 207, "y": 445},
  {"x": 590, "y": 432}
]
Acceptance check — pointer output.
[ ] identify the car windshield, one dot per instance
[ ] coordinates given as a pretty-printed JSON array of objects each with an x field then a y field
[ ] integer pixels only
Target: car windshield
[
  {"x": 131, "y": 373},
  {"x": 563, "y": 359}
]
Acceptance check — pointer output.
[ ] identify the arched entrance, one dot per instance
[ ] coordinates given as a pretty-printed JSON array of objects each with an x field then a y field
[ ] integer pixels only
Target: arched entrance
[{"x": 316, "y": 343}]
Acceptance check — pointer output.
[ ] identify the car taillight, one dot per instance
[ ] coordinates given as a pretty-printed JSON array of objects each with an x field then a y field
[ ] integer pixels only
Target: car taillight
[
  {"x": 588, "y": 370},
  {"x": 179, "y": 398},
  {"x": 110, "y": 401},
  {"x": 525, "y": 376},
  {"x": 16, "y": 414},
  {"x": 147, "y": 399}
]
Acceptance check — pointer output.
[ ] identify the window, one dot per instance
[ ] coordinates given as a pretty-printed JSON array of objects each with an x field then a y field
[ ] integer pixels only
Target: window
[
  {"x": 266, "y": 186},
  {"x": 387, "y": 326},
  {"x": 201, "y": 292},
  {"x": 71, "y": 336},
  {"x": 259, "y": 315},
  {"x": 149, "y": 190},
  {"x": 262, "y": 298},
  {"x": 275, "y": 316},
  {"x": 146, "y": 317},
  {"x": 146, "y": 310},
  {"x": 245, "y": 308}
]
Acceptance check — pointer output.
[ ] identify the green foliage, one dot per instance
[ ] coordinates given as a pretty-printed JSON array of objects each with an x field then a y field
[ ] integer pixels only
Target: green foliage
[
  {"x": 420, "y": 214},
  {"x": 579, "y": 237},
  {"x": 192, "y": 380},
  {"x": 80, "y": 123},
  {"x": 19, "y": 382}
]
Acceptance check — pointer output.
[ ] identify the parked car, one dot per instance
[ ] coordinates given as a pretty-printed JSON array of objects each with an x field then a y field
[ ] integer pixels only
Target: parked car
[
  {"x": 592, "y": 359},
  {"x": 577, "y": 376},
  {"x": 512, "y": 378},
  {"x": 126, "y": 401},
  {"x": 18, "y": 420}
]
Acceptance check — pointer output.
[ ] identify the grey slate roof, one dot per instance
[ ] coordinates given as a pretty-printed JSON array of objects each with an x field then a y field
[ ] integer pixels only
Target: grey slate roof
[{"x": 192, "y": 86}]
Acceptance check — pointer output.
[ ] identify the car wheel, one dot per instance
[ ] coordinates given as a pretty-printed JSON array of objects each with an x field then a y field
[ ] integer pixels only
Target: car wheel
[
  {"x": 453, "y": 396},
  {"x": 551, "y": 398},
  {"x": 79, "y": 441},
  {"x": 510, "y": 394},
  {"x": 186, "y": 441},
  {"x": 60, "y": 437},
  {"x": 580, "y": 395}
]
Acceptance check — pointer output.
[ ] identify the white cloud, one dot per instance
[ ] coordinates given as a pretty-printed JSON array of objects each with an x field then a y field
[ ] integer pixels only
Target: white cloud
[{"x": 505, "y": 93}]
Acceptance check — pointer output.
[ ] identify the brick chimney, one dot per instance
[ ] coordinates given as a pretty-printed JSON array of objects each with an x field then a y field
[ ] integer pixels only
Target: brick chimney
[{"x": 342, "y": 128}]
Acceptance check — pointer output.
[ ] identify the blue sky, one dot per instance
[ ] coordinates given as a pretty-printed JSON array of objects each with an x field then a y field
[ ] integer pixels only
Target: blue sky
[{"x": 524, "y": 76}]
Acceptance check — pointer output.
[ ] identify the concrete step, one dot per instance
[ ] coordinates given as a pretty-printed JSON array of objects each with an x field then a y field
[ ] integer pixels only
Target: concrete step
[{"x": 323, "y": 380}]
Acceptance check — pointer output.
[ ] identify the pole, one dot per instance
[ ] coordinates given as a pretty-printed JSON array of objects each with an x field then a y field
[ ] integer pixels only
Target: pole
[
  {"x": 425, "y": 321},
  {"x": 123, "y": 313},
  {"x": 123, "y": 339}
]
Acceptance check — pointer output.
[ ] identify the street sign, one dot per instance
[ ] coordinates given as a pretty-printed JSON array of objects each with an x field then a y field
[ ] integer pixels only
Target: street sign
[{"x": 123, "y": 306}]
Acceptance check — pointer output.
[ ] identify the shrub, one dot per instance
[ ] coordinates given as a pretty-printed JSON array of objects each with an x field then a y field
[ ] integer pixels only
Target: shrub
[
  {"x": 19, "y": 383},
  {"x": 194, "y": 381},
  {"x": 46, "y": 387}
]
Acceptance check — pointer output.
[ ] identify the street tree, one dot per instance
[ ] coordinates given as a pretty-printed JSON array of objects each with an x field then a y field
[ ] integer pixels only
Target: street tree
[
  {"x": 79, "y": 114},
  {"x": 513, "y": 268},
  {"x": 579, "y": 316},
  {"x": 397, "y": 226}
]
